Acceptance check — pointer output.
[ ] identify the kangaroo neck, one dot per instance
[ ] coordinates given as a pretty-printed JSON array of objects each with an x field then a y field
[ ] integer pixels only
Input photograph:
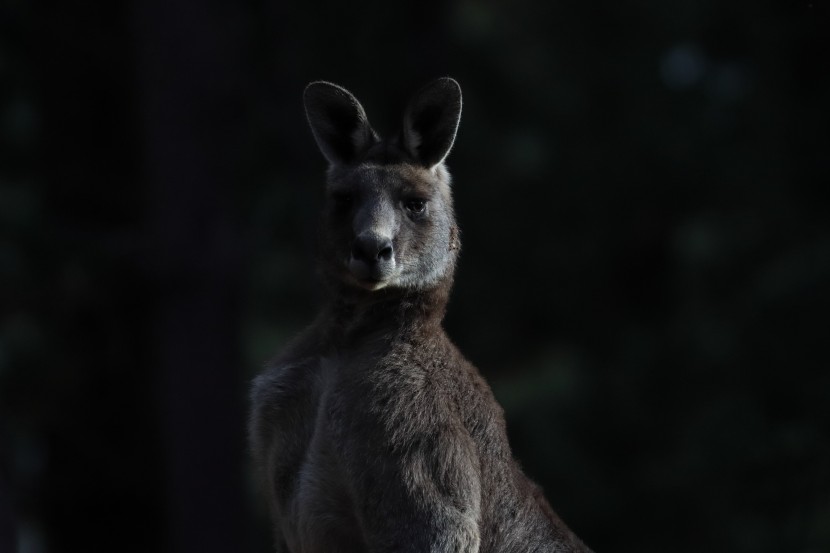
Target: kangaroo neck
[{"x": 355, "y": 315}]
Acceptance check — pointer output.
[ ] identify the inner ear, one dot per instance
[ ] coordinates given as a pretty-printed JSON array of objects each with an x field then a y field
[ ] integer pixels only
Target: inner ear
[
  {"x": 338, "y": 122},
  {"x": 431, "y": 121}
]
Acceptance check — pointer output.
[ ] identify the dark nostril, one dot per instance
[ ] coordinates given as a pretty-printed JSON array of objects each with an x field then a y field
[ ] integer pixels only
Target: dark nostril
[{"x": 372, "y": 249}]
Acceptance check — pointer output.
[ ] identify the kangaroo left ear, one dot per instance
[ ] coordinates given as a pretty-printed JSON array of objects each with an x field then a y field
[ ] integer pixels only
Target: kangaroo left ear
[
  {"x": 431, "y": 121},
  {"x": 338, "y": 122}
]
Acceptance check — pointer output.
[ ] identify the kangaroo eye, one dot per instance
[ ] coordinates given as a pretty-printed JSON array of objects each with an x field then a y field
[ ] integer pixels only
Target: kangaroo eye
[{"x": 415, "y": 206}]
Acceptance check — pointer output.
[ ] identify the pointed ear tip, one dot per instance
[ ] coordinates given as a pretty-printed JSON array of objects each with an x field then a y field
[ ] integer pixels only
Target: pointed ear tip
[
  {"x": 318, "y": 88},
  {"x": 450, "y": 84},
  {"x": 315, "y": 85},
  {"x": 321, "y": 82},
  {"x": 312, "y": 91}
]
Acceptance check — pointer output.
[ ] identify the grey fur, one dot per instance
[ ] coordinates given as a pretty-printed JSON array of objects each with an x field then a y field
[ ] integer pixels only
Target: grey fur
[{"x": 371, "y": 432}]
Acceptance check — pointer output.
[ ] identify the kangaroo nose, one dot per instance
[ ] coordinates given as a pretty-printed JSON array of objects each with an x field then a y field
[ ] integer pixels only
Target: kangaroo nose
[{"x": 371, "y": 249}]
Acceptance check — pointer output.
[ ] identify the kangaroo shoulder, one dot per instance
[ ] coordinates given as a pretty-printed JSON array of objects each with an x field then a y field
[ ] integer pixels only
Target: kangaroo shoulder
[{"x": 289, "y": 372}]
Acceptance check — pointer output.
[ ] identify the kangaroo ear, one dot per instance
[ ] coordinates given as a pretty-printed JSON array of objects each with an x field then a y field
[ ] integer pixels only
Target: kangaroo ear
[
  {"x": 338, "y": 122},
  {"x": 431, "y": 121}
]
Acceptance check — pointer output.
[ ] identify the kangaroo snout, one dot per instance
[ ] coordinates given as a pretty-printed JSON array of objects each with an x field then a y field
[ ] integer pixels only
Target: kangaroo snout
[
  {"x": 371, "y": 248},
  {"x": 372, "y": 258}
]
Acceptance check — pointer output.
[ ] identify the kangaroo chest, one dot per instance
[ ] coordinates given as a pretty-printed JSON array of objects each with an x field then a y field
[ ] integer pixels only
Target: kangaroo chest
[
  {"x": 337, "y": 416},
  {"x": 313, "y": 502}
]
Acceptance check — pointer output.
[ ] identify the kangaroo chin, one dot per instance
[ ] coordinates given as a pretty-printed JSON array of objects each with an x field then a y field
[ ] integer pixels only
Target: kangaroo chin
[{"x": 370, "y": 285}]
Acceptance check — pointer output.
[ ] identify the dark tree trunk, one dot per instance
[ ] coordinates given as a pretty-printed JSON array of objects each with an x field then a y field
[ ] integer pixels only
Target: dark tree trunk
[
  {"x": 192, "y": 80},
  {"x": 8, "y": 533}
]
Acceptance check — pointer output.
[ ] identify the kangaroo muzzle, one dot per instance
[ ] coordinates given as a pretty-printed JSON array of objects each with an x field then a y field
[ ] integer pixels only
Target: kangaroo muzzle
[{"x": 373, "y": 259}]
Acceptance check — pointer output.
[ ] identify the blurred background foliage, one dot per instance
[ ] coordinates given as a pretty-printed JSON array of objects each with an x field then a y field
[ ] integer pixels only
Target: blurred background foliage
[{"x": 644, "y": 278}]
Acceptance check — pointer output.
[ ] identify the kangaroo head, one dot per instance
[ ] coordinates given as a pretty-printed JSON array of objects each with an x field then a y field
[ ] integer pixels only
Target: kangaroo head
[{"x": 388, "y": 220}]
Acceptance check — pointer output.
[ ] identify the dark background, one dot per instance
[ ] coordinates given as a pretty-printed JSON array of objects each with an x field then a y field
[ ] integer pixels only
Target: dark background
[{"x": 644, "y": 278}]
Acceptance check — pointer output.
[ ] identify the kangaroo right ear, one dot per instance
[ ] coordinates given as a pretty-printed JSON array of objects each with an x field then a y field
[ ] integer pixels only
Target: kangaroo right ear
[
  {"x": 431, "y": 121},
  {"x": 338, "y": 122}
]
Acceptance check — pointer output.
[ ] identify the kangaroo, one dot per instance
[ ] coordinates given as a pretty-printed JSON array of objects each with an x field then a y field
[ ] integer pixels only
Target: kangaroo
[{"x": 371, "y": 431}]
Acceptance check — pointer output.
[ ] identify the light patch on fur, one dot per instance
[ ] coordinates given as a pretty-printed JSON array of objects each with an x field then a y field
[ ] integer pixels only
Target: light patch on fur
[
  {"x": 442, "y": 174},
  {"x": 374, "y": 286},
  {"x": 419, "y": 280}
]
